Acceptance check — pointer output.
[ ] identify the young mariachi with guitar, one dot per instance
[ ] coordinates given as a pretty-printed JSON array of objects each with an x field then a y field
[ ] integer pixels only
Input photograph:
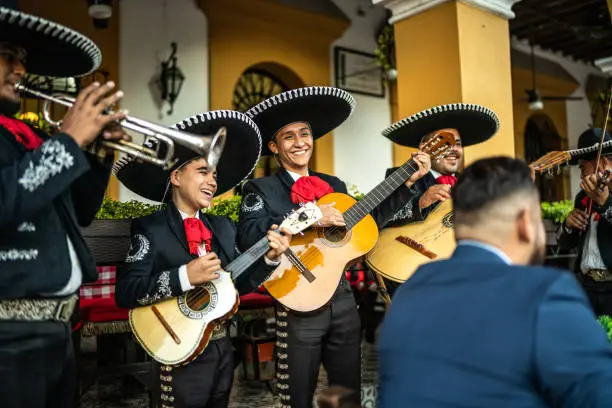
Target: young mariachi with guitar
[
  {"x": 330, "y": 333},
  {"x": 422, "y": 229},
  {"x": 173, "y": 279}
]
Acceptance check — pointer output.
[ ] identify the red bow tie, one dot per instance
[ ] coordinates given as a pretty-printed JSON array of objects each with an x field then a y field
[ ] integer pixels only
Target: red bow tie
[
  {"x": 196, "y": 233},
  {"x": 309, "y": 188},
  {"x": 450, "y": 180},
  {"x": 585, "y": 204},
  {"x": 22, "y": 132}
]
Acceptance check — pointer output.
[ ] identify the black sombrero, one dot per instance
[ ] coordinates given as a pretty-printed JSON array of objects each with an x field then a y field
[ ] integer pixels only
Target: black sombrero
[
  {"x": 323, "y": 107},
  {"x": 588, "y": 146},
  {"x": 240, "y": 154},
  {"x": 52, "y": 49},
  {"x": 475, "y": 124}
]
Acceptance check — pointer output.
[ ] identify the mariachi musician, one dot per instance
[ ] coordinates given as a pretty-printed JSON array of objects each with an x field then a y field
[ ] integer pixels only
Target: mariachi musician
[
  {"x": 290, "y": 123},
  {"x": 591, "y": 233},
  {"x": 180, "y": 247},
  {"x": 50, "y": 188},
  {"x": 470, "y": 124}
]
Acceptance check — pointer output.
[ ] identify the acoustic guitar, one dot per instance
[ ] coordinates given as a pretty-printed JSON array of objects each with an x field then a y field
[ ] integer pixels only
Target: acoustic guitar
[
  {"x": 308, "y": 276},
  {"x": 177, "y": 330},
  {"x": 401, "y": 250}
]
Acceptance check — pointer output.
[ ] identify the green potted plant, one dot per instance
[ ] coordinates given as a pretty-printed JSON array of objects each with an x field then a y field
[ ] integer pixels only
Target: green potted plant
[
  {"x": 606, "y": 323},
  {"x": 384, "y": 53}
]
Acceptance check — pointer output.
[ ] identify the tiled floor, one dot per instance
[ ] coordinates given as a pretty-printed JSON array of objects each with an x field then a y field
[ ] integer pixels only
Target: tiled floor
[{"x": 129, "y": 393}]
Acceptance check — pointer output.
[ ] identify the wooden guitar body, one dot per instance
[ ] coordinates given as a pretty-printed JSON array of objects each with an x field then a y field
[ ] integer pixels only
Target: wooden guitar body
[
  {"x": 397, "y": 255},
  {"x": 325, "y": 252},
  {"x": 191, "y": 317}
]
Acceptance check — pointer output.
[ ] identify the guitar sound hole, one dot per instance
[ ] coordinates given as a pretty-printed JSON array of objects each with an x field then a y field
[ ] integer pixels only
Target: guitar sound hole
[
  {"x": 334, "y": 234},
  {"x": 198, "y": 299},
  {"x": 449, "y": 220}
]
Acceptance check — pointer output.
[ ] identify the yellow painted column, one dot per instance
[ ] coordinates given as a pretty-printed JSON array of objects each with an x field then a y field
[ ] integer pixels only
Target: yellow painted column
[{"x": 451, "y": 51}]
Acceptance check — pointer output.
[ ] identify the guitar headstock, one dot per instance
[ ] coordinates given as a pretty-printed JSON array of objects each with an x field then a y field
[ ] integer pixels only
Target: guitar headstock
[
  {"x": 302, "y": 218},
  {"x": 550, "y": 160},
  {"x": 439, "y": 145}
]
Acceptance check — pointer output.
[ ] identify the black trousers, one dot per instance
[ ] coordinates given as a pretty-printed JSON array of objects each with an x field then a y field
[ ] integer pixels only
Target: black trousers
[
  {"x": 207, "y": 381},
  {"x": 332, "y": 337},
  {"x": 599, "y": 294},
  {"x": 37, "y": 366}
]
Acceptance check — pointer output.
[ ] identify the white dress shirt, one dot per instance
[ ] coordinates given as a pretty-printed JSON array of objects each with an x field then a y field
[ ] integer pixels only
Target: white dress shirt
[
  {"x": 591, "y": 257},
  {"x": 76, "y": 274}
]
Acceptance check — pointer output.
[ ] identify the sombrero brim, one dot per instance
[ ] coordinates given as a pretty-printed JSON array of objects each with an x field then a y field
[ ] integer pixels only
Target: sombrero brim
[
  {"x": 240, "y": 155},
  {"x": 590, "y": 153},
  {"x": 52, "y": 49},
  {"x": 323, "y": 108},
  {"x": 474, "y": 123}
]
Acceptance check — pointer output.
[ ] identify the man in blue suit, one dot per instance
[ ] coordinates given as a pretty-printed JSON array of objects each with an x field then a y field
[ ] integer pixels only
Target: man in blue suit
[{"x": 488, "y": 328}]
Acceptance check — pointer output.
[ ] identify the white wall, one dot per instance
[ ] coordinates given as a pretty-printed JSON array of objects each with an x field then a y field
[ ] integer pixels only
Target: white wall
[
  {"x": 147, "y": 28},
  {"x": 361, "y": 153},
  {"x": 578, "y": 112}
]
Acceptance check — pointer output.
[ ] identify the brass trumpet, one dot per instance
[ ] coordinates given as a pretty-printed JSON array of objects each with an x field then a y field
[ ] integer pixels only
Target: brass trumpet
[{"x": 210, "y": 146}]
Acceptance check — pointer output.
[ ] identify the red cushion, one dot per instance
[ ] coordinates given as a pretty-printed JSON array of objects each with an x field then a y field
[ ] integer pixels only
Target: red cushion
[
  {"x": 101, "y": 309},
  {"x": 256, "y": 301}
]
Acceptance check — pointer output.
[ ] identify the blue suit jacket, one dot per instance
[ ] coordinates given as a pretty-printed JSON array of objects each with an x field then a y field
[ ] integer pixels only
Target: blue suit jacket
[{"x": 474, "y": 332}]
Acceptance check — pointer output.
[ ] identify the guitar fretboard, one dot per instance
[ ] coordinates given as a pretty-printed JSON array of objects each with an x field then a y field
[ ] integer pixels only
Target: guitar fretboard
[
  {"x": 379, "y": 193},
  {"x": 248, "y": 258}
]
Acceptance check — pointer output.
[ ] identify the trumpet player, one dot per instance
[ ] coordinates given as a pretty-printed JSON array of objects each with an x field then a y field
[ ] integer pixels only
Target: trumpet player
[{"x": 49, "y": 187}]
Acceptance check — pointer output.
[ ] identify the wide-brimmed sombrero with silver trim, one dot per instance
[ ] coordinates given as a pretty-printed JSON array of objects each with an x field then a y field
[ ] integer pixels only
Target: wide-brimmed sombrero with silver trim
[
  {"x": 324, "y": 108},
  {"x": 475, "y": 124},
  {"x": 240, "y": 154},
  {"x": 52, "y": 49},
  {"x": 588, "y": 146}
]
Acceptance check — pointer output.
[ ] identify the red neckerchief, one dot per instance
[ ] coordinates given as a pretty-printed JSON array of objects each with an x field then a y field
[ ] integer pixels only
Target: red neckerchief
[
  {"x": 196, "y": 233},
  {"x": 450, "y": 180},
  {"x": 309, "y": 188},
  {"x": 22, "y": 132}
]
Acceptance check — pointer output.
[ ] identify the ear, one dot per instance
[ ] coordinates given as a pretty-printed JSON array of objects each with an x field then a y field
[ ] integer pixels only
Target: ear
[
  {"x": 524, "y": 226},
  {"x": 272, "y": 146},
  {"x": 175, "y": 178}
]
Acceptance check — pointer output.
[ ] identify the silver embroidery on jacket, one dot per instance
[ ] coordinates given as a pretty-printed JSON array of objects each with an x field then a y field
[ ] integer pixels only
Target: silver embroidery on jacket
[
  {"x": 53, "y": 160},
  {"x": 404, "y": 213},
  {"x": 252, "y": 203},
  {"x": 162, "y": 290},
  {"x": 26, "y": 227},
  {"x": 19, "y": 255},
  {"x": 608, "y": 214},
  {"x": 139, "y": 248}
]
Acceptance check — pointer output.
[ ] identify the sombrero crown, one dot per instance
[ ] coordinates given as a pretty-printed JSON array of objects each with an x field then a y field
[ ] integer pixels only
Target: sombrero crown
[
  {"x": 475, "y": 124},
  {"x": 324, "y": 108},
  {"x": 52, "y": 49},
  {"x": 239, "y": 158}
]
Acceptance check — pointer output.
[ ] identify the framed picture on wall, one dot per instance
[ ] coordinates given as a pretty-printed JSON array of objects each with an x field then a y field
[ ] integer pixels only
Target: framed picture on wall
[{"x": 356, "y": 71}]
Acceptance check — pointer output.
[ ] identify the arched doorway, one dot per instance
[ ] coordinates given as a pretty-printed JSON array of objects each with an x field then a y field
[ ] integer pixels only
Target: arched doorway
[
  {"x": 256, "y": 84},
  {"x": 541, "y": 137}
]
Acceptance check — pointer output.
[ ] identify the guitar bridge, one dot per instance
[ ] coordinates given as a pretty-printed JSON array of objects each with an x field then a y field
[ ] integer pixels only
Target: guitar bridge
[{"x": 417, "y": 246}]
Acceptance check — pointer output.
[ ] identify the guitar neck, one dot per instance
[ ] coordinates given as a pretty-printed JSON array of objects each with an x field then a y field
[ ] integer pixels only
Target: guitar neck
[
  {"x": 248, "y": 258},
  {"x": 379, "y": 193}
]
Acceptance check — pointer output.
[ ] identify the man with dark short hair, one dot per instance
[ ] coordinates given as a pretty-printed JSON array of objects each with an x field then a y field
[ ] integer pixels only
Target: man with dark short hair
[{"x": 489, "y": 327}]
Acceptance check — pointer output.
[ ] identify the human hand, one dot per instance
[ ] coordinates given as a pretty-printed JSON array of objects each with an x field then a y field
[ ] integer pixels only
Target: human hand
[
  {"x": 590, "y": 185},
  {"x": 86, "y": 118},
  {"x": 435, "y": 193},
  {"x": 331, "y": 216},
  {"x": 279, "y": 243},
  {"x": 577, "y": 219},
  {"x": 424, "y": 162},
  {"x": 204, "y": 269}
]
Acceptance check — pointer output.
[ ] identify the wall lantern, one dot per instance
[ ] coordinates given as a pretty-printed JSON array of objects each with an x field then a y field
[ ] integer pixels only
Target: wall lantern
[{"x": 171, "y": 79}]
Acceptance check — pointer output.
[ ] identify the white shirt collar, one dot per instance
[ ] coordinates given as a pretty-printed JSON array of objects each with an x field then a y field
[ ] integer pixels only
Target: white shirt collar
[
  {"x": 490, "y": 248},
  {"x": 185, "y": 215},
  {"x": 295, "y": 176}
]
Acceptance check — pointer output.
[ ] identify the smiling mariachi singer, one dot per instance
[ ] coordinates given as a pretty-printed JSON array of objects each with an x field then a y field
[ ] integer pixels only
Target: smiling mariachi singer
[
  {"x": 290, "y": 123},
  {"x": 181, "y": 247},
  {"x": 50, "y": 187}
]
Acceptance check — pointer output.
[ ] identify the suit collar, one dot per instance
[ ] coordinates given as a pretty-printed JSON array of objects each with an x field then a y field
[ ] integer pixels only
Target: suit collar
[
  {"x": 479, "y": 252},
  {"x": 175, "y": 221}
]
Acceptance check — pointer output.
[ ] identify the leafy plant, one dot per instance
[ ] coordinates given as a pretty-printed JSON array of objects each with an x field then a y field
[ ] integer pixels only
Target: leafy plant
[
  {"x": 117, "y": 210},
  {"x": 34, "y": 119},
  {"x": 229, "y": 207},
  {"x": 556, "y": 211},
  {"x": 354, "y": 192},
  {"x": 384, "y": 53},
  {"x": 606, "y": 323}
]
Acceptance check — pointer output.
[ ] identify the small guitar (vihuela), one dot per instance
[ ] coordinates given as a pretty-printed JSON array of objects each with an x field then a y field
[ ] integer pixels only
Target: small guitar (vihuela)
[
  {"x": 177, "y": 330},
  {"x": 307, "y": 278}
]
